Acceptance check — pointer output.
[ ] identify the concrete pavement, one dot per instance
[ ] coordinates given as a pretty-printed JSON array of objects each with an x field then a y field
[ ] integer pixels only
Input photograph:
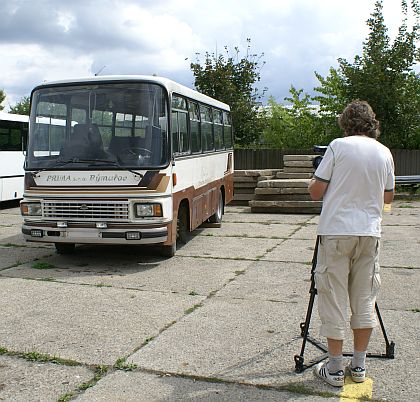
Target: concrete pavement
[{"x": 218, "y": 322}]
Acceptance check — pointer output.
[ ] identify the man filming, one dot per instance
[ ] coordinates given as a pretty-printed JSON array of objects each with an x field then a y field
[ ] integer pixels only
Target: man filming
[{"x": 354, "y": 179}]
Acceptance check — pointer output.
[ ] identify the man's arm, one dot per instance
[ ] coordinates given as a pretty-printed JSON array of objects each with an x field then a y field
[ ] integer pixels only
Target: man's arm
[
  {"x": 388, "y": 196},
  {"x": 317, "y": 188}
]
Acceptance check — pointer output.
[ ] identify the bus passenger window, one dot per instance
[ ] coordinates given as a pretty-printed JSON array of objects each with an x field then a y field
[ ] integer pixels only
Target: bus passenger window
[
  {"x": 174, "y": 130},
  {"x": 194, "y": 127},
  {"x": 218, "y": 129},
  {"x": 227, "y": 130},
  {"x": 184, "y": 143},
  {"x": 206, "y": 128}
]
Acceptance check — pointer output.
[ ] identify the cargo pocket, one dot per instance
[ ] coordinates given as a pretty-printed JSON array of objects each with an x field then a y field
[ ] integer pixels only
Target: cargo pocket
[
  {"x": 322, "y": 281},
  {"x": 376, "y": 280}
]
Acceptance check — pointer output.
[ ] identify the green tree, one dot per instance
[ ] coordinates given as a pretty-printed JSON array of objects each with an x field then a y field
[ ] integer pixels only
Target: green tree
[
  {"x": 232, "y": 80},
  {"x": 2, "y": 98},
  {"x": 22, "y": 106},
  {"x": 298, "y": 125},
  {"x": 383, "y": 75}
]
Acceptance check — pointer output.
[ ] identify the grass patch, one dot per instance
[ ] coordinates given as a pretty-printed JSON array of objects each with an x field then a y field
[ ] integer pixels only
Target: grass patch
[
  {"x": 100, "y": 371},
  {"x": 66, "y": 397},
  {"x": 12, "y": 245},
  {"x": 193, "y": 308},
  {"x": 121, "y": 364},
  {"x": 415, "y": 310},
  {"x": 43, "y": 265},
  {"x": 193, "y": 293},
  {"x": 237, "y": 273},
  {"x": 44, "y": 358}
]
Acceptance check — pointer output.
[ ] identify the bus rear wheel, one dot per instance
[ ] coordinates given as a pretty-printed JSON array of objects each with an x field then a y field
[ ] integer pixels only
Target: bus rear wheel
[
  {"x": 217, "y": 216},
  {"x": 65, "y": 248}
]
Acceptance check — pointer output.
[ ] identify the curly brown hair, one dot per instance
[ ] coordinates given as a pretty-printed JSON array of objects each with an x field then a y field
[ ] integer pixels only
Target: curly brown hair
[{"x": 358, "y": 118}]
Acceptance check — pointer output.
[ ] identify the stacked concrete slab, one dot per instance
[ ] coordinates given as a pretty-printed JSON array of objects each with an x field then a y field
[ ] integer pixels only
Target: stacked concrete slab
[
  {"x": 245, "y": 182},
  {"x": 288, "y": 191}
]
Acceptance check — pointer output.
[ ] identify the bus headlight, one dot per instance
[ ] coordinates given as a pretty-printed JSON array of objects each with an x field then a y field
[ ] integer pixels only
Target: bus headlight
[
  {"x": 147, "y": 210},
  {"x": 31, "y": 209}
]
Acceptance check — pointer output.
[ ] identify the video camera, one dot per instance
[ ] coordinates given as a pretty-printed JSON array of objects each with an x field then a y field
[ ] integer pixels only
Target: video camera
[{"x": 321, "y": 149}]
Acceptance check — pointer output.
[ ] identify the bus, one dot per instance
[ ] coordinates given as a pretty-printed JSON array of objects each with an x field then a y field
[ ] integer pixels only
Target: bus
[
  {"x": 13, "y": 133},
  {"x": 139, "y": 160}
]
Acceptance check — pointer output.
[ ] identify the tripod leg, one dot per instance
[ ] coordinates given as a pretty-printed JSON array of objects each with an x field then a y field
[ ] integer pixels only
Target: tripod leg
[
  {"x": 304, "y": 327},
  {"x": 390, "y": 346},
  {"x": 299, "y": 366}
]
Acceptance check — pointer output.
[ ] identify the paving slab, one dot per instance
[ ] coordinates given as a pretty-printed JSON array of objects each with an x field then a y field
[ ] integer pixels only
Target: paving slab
[
  {"x": 234, "y": 248},
  {"x": 93, "y": 325},
  {"x": 13, "y": 256},
  {"x": 251, "y": 229},
  {"x": 10, "y": 219},
  {"x": 400, "y": 253},
  {"x": 239, "y": 216},
  {"x": 271, "y": 281},
  {"x": 399, "y": 289},
  {"x": 11, "y": 235},
  {"x": 176, "y": 275},
  {"x": 392, "y": 380},
  {"x": 23, "y": 381},
  {"x": 229, "y": 339},
  {"x": 306, "y": 232},
  {"x": 121, "y": 386},
  {"x": 293, "y": 250},
  {"x": 401, "y": 232}
]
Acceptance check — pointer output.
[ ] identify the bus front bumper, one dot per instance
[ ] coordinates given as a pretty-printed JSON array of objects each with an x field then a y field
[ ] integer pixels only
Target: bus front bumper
[{"x": 92, "y": 235}]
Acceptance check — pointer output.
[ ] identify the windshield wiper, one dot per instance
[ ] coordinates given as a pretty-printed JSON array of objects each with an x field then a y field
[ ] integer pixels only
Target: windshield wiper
[{"x": 90, "y": 161}]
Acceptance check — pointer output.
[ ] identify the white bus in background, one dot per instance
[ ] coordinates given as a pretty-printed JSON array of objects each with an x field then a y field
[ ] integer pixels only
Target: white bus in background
[
  {"x": 139, "y": 160},
  {"x": 13, "y": 133}
]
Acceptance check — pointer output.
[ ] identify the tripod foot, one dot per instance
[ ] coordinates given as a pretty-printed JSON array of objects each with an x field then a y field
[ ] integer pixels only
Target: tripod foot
[
  {"x": 299, "y": 366},
  {"x": 390, "y": 350}
]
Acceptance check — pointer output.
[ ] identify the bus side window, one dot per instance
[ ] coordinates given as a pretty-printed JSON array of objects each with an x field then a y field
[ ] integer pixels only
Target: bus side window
[
  {"x": 174, "y": 132},
  {"x": 180, "y": 136},
  {"x": 194, "y": 114},
  {"x": 206, "y": 128},
  {"x": 218, "y": 129},
  {"x": 227, "y": 130}
]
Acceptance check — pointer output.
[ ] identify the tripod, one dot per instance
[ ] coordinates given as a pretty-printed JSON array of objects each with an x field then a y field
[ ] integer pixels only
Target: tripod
[{"x": 300, "y": 366}]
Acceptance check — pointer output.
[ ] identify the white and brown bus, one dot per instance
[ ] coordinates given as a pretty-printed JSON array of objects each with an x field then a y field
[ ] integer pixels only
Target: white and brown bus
[{"x": 142, "y": 160}]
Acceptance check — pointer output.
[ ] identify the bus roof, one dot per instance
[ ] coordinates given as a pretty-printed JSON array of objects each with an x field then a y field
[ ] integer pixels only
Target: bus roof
[
  {"x": 171, "y": 86},
  {"x": 14, "y": 117}
]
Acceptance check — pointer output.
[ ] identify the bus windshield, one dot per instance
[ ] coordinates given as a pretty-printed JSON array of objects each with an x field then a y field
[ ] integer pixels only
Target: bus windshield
[{"x": 98, "y": 126}]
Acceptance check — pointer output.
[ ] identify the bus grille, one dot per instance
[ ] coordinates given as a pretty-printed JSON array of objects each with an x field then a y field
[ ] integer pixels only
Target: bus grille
[{"x": 86, "y": 210}]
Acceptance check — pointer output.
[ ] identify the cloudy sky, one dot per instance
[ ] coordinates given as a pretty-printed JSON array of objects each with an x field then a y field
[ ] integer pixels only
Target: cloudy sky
[{"x": 54, "y": 39}]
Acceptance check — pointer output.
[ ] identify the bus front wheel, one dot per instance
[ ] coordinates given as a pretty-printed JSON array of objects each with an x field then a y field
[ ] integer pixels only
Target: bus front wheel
[
  {"x": 64, "y": 248},
  {"x": 168, "y": 251}
]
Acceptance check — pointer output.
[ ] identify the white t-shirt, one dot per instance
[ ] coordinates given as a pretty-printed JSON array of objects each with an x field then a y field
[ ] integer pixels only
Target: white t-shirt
[{"x": 358, "y": 169}]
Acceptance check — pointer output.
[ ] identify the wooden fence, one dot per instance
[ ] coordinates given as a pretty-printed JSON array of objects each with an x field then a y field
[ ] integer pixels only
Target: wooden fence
[{"x": 407, "y": 161}]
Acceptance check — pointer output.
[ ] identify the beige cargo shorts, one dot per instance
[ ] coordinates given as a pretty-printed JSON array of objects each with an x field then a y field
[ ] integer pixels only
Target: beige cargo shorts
[{"x": 347, "y": 270}]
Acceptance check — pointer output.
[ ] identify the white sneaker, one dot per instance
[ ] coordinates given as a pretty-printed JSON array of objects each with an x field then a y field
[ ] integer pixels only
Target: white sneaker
[
  {"x": 335, "y": 379},
  {"x": 358, "y": 374}
]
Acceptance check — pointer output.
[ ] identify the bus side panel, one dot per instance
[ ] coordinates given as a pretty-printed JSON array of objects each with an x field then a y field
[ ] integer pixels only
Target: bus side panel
[
  {"x": 11, "y": 189},
  {"x": 11, "y": 175}
]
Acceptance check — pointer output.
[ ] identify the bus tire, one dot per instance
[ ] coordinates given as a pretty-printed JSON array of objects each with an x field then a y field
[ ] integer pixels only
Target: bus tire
[
  {"x": 217, "y": 216},
  {"x": 168, "y": 251},
  {"x": 182, "y": 226},
  {"x": 65, "y": 248}
]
